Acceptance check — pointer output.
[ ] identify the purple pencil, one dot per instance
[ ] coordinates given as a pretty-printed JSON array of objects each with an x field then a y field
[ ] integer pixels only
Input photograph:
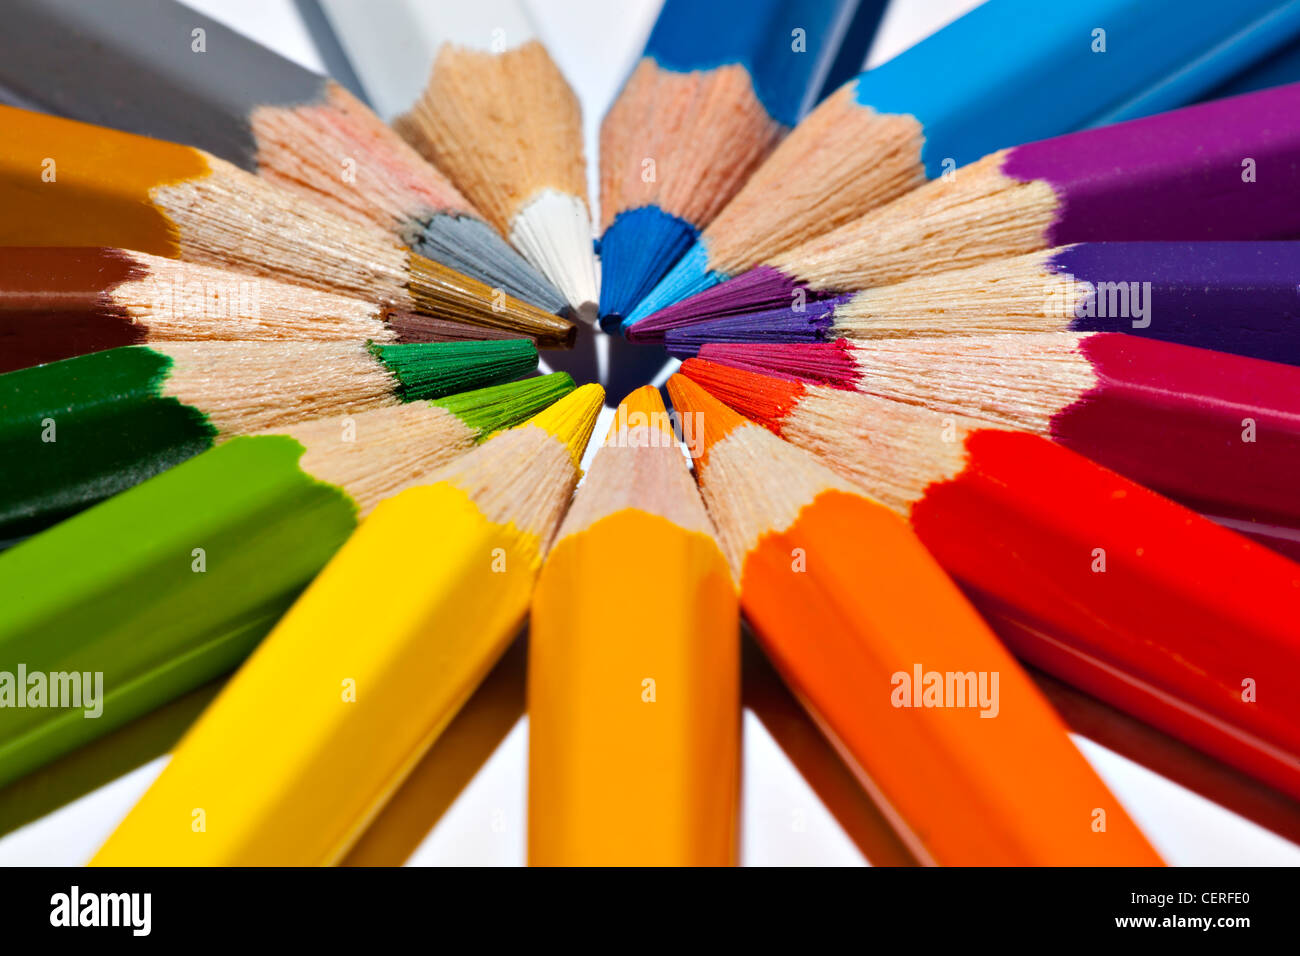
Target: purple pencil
[
  {"x": 1239, "y": 297},
  {"x": 1225, "y": 170}
]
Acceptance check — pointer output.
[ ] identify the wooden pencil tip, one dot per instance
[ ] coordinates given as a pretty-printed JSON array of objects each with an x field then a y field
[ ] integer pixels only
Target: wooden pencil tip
[
  {"x": 553, "y": 231},
  {"x": 572, "y": 418},
  {"x": 413, "y": 327},
  {"x": 712, "y": 421},
  {"x": 762, "y": 398}
]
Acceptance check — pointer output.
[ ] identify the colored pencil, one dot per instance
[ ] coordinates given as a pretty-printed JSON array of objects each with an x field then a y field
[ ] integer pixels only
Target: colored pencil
[
  {"x": 831, "y": 779},
  {"x": 91, "y": 426},
  {"x": 474, "y": 91},
  {"x": 717, "y": 87},
  {"x": 1239, "y": 297},
  {"x": 415, "y": 327},
  {"x": 1121, "y": 592},
  {"x": 634, "y": 719},
  {"x": 853, "y": 612},
  {"x": 1008, "y": 72},
  {"x": 448, "y": 568},
  {"x": 442, "y": 774},
  {"x": 1278, "y": 68},
  {"x": 1226, "y": 170},
  {"x": 173, "y": 582},
  {"x": 64, "y": 183},
  {"x": 1218, "y": 433},
  {"x": 60, "y": 301},
  {"x": 1170, "y": 758},
  {"x": 133, "y": 65},
  {"x": 102, "y": 761}
]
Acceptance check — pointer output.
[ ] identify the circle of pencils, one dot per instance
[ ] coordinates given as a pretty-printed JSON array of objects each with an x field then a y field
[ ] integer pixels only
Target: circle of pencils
[{"x": 986, "y": 430}]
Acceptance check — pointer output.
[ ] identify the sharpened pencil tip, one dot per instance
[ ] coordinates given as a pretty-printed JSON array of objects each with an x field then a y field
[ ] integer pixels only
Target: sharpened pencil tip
[
  {"x": 553, "y": 231},
  {"x": 716, "y": 420},
  {"x": 644, "y": 399},
  {"x": 643, "y": 407},
  {"x": 488, "y": 410},
  {"x": 636, "y": 251},
  {"x": 763, "y": 399},
  {"x": 572, "y": 418},
  {"x": 444, "y": 293},
  {"x": 829, "y": 363},
  {"x": 433, "y": 370}
]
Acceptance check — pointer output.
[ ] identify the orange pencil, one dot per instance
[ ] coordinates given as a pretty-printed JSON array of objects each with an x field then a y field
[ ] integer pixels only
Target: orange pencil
[
  {"x": 634, "y": 666},
  {"x": 943, "y": 727}
]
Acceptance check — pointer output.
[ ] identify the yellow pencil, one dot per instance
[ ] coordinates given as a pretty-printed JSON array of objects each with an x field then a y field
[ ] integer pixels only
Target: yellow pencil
[
  {"x": 339, "y": 703},
  {"x": 449, "y": 766},
  {"x": 634, "y": 666}
]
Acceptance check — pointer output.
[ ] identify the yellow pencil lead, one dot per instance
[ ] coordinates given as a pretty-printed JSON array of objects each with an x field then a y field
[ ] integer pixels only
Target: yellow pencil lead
[{"x": 572, "y": 418}]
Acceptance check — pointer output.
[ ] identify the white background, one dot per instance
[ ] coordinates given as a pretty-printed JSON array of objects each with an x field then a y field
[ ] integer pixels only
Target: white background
[{"x": 595, "y": 43}]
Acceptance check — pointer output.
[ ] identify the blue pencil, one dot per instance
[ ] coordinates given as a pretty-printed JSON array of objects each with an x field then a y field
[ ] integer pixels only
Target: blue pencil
[
  {"x": 1008, "y": 72},
  {"x": 1278, "y": 69},
  {"x": 717, "y": 87}
]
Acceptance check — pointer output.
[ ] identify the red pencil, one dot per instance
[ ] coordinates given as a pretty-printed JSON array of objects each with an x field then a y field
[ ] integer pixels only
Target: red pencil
[
  {"x": 1119, "y": 591},
  {"x": 1219, "y": 433}
]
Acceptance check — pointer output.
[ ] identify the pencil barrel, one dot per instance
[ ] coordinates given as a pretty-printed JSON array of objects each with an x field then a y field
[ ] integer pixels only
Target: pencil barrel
[{"x": 634, "y": 700}]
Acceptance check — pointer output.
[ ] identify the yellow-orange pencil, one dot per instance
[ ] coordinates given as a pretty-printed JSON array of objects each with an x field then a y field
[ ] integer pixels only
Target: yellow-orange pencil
[
  {"x": 634, "y": 666},
  {"x": 336, "y": 707}
]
